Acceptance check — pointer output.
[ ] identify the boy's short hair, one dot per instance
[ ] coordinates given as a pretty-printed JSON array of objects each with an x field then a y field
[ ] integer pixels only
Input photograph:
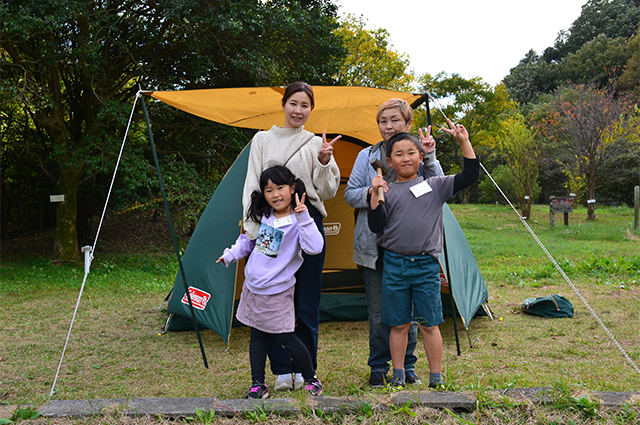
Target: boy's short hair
[
  {"x": 402, "y": 105},
  {"x": 402, "y": 136}
]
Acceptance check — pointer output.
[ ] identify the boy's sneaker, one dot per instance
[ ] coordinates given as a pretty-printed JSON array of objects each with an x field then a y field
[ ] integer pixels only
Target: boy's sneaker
[
  {"x": 411, "y": 378},
  {"x": 437, "y": 385},
  {"x": 377, "y": 380},
  {"x": 396, "y": 384},
  {"x": 298, "y": 381},
  {"x": 284, "y": 382},
  {"x": 258, "y": 390},
  {"x": 313, "y": 387}
]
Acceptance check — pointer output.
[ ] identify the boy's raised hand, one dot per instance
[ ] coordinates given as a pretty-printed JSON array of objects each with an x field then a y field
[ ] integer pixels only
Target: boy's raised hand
[
  {"x": 462, "y": 136},
  {"x": 457, "y": 131},
  {"x": 300, "y": 206},
  {"x": 326, "y": 150}
]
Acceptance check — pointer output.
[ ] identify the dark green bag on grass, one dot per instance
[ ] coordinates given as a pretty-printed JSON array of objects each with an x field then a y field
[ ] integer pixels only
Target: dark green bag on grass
[{"x": 552, "y": 306}]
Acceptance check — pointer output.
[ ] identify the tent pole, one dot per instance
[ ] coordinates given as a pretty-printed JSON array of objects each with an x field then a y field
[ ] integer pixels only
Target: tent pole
[
  {"x": 428, "y": 108},
  {"x": 173, "y": 233},
  {"x": 423, "y": 98},
  {"x": 454, "y": 308}
]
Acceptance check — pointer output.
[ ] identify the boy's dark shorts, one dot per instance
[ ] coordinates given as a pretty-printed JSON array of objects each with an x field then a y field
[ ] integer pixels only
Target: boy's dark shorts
[{"x": 411, "y": 281}]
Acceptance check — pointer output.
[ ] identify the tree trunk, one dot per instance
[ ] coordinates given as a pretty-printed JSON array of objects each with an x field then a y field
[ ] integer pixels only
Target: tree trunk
[
  {"x": 65, "y": 245},
  {"x": 464, "y": 195},
  {"x": 591, "y": 211}
]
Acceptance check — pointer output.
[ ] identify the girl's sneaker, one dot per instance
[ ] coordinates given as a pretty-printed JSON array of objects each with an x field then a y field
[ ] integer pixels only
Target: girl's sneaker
[
  {"x": 313, "y": 387},
  {"x": 258, "y": 390}
]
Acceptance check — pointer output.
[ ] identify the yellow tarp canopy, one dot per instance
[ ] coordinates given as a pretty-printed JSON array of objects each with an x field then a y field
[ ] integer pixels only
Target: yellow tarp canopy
[{"x": 349, "y": 111}]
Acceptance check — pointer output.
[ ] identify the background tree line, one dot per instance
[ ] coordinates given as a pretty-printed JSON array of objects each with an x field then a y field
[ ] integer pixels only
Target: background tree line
[{"x": 566, "y": 120}]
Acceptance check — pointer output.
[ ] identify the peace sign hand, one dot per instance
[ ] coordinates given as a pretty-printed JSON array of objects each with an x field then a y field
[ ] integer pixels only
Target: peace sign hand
[
  {"x": 300, "y": 206},
  {"x": 326, "y": 150},
  {"x": 457, "y": 131},
  {"x": 428, "y": 142}
]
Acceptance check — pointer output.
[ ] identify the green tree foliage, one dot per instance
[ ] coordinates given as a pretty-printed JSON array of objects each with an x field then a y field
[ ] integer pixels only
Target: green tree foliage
[
  {"x": 490, "y": 192},
  {"x": 25, "y": 187},
  {"x": 591, "y": 129},
  {"x": 522, "y": 152},
  {"x": 599, "y": 61},
  {"x": 73, "y": 65},
  {"x": 471, "y": 102},
  {"x": 630, "y": 80},
  {"x": 623, "y": 170},
  {"x": 370, "y": 60},
  {"x": 612, "y": 18},
  {"x": 531, "y": 77},
  {"x": 594, "y": 50}
]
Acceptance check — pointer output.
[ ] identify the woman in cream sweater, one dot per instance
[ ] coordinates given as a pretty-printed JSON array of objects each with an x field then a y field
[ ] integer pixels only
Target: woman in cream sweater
[{"x": 310, "y": 158}]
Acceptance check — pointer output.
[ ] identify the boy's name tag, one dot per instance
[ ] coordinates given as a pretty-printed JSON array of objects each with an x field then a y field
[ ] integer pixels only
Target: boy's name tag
[
  {"x": 284, "y": 221},
  {"x": 420, "y": 189}
]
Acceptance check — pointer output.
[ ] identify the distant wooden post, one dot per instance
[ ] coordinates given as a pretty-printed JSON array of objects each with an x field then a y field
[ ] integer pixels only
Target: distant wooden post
[
  {"x": 526, "y": 211},
  {"x": 636, "y": 197},
  {"x": 560, "y": 204}
]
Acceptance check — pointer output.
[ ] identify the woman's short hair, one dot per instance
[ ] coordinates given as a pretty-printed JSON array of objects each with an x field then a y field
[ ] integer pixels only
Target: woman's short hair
[
  {"x": 402, "y": 105},
  {"x": 296, "y": 87}
]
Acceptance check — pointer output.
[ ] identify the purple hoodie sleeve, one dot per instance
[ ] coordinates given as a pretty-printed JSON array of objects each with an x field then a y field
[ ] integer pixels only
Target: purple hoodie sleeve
[
  {"x": 311, "y": 240},
  {"x": 238, "y": 250}
]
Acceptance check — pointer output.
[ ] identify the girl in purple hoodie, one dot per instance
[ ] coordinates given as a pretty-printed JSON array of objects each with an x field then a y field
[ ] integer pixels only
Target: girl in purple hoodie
[{"x": 266, "y": 303}]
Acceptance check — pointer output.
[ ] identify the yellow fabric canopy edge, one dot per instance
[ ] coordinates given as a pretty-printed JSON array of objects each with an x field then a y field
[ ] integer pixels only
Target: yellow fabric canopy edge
[{"x": 346, "y": 110}]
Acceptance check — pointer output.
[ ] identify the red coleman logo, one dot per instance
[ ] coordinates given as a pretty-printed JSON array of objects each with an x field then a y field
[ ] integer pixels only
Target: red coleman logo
[{"x": 199, "y": 298}]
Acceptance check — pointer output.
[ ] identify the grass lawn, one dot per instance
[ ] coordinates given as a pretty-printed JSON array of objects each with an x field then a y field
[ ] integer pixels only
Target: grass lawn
[{"x": 115, "y": 350}]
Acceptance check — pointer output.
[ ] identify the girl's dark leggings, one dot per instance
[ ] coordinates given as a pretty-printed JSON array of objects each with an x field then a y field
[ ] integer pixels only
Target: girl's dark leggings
[{"x": 296, "y": 349}]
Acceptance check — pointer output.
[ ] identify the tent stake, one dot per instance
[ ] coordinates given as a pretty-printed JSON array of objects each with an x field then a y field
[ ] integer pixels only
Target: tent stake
[{"x": 173, "y": 233}]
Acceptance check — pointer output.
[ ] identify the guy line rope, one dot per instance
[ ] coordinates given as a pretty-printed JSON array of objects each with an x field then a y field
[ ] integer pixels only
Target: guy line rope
[
  {"x": 89, "y": 253},
  {"x": 566, "y": 278},
  {"x": 555, "y": 263}
]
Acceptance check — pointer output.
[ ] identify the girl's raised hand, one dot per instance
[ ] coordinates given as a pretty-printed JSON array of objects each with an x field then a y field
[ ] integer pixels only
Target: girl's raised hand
[
  {"x": 220, "y": 259},
  {"x": 326, "y": 150},
  {"x": 300, "y": 206},
  {"x": 428, "y": 142}
]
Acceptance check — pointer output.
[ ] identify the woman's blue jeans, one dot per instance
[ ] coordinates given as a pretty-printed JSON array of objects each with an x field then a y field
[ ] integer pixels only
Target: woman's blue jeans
[{"x": 379, "y": 354}]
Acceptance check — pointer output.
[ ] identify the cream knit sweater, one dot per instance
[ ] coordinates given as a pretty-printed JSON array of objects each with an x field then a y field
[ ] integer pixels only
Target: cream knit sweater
[{"x": 274, "y": 147}]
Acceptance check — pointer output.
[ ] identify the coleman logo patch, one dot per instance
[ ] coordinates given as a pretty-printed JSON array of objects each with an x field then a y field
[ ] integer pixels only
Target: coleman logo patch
[
  {"x": 199, "y": 298},
  {"x": 332, "y": 229}
]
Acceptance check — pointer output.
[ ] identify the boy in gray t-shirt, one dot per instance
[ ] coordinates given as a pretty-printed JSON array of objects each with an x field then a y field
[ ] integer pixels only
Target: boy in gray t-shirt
[{"x": 409, "y": 227}]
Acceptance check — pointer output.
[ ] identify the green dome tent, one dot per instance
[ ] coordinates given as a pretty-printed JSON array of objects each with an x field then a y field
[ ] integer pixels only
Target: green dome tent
[{"x": 349, "y": 111}]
